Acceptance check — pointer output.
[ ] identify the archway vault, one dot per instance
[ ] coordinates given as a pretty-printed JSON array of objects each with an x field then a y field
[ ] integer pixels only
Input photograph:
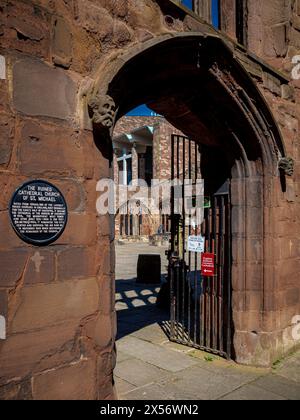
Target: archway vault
[{"x": 195, "y": 81}]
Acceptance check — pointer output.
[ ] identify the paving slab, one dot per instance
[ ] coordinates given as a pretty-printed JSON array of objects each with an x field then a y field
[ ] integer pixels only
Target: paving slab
[
  {"x": 140, "y": 373},
  {"x": 123, "y": 387},
  {"x": 153, "y": 392},
  {"x": 252, "y": 393},
  {"x": 280, "y": 386},
  {"x": 155, "y": 355},
  {"x": 290, "y": 368},
  {"x": 123, "y": 356},
  {"x": 201, "y": 384},
  {"x": 152, "y": 333}
]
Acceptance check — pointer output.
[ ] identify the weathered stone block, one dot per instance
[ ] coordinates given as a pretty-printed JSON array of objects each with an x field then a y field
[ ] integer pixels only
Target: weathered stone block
[
  {"x": 50, "y": 149},
  {"x": 272, "y": 83},
  {"x": 61, "y": 43},
  {"x": 96, "y": 19},
  {"x": 74, "y": 193},
  {"x": 287, "y": 92},
  {"x": 292, "y": 297},
  {"x": 76, "y": 263},
  {"x": 119, "y": 8},
  {"x": 27, "y": 28},
  {"x": 40, "y": 268},
  {"x": 12, "y": 265},
  {"x": 107, "y": 296},
  {"x": 103, "y": 332},
  {"x": 8, "y": 237},
  {"x": 8, "y": 186},
  {"x": 104, "y": 252},
  {"x": 144, "y": 14},
  {"x": 6, "y": 135},
  {"x": 45, "y": 305},
  {"x": 3, "y": 303},
  {"x": 122, "y": 35},
  {"x": 37, "y": 351},
  {"x": 74, "y": 382},
  {"x": 81, "y": 230},
  {"x": 41, "y": 90},
  {"x": 16, "y": 391}
]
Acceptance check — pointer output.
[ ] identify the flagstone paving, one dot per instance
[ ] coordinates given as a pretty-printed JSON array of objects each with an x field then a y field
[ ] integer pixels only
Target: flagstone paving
[{"x": 150, "y": 367}]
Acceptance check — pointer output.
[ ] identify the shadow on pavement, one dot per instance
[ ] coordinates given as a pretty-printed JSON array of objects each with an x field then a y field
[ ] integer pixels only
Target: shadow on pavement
[{"x": 136, "y": 307}]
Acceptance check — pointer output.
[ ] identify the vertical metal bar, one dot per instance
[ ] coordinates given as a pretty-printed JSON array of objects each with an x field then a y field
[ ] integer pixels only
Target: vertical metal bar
[
  {"x": 172, "y": 297},
  {"x": 202, "y": 299},
  {"x": 178, "y": 241},
  {"x": 189, "y": 260},
  {"x": 172, "y": 194},
  {"x": 208, "y": 288},
  {"x": 195, "y": 271},
  {"x": 171, "y": 264},
  {"x": 183, "y": 233},
  {"x": 229, "y": 288},
  {"x": 221, "y": 275},
  {"x": 213, "y": 279}
]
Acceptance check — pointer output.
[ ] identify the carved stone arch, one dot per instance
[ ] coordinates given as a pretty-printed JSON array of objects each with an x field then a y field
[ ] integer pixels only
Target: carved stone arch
[{"x": 214, "y": 100}]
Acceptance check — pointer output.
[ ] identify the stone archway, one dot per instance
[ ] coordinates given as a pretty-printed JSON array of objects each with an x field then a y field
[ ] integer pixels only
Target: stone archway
[{"x": 213, "y": 100}]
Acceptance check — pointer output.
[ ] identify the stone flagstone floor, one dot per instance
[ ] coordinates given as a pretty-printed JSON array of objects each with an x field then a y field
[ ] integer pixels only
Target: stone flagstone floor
[{"x": 149, "y": 367}]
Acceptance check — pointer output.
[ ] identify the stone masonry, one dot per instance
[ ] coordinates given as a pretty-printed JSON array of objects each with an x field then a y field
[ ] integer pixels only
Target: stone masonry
[
  {"x": 161, "y": 164},
  {"x": 58, "y": 301}
]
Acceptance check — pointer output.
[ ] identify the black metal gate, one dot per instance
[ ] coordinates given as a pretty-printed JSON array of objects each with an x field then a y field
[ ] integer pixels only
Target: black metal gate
[{"x": 200, "y": 306}]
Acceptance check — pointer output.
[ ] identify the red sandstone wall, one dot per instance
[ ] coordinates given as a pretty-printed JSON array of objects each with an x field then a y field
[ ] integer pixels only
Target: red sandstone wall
[
  {"x": 60, "y": 316},
  {"x": 60, "y": 328}
]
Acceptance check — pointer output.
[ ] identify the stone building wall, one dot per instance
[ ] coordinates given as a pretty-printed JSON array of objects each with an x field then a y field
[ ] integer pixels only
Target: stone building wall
[
  {"x": 161, "y": 162},
  {"x": 59, "y": 313}
]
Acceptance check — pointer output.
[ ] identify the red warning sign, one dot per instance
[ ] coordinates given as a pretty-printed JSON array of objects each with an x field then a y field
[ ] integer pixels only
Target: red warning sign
[{"x": 208, "y": 265}]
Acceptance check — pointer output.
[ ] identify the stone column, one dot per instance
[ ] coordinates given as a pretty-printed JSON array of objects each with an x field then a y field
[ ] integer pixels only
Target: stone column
[
  {"x": 135, "y": 163},
  {"x": 203, "y": 9},
  {"x": 228, "y": 17},
  {"x": 142, "y": 167}
]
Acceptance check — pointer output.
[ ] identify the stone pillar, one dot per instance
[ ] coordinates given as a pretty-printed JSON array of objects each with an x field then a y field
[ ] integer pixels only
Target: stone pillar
[
  {"x": 135, "y": 163},
  {"x": 142, "y": 167},
  {"x": 203, "y": 9},
  {"x": 228, "y": 17},
  {"x": 57, "y": 302}
]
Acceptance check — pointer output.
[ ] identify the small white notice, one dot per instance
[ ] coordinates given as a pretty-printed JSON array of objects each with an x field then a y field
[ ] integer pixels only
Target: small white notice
[
  {"x": 196, "y": 244},
  {"x": 2, "y": 328},
  {"x": 2, "y": 68}
]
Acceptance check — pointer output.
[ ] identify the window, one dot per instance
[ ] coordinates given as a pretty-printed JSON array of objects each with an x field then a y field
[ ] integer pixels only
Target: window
[
  {"x": 209, "y": 10},
  {"x": 146, "y": 165},
  {"x": 216, "y": 13},
  {"x": 241, "y": 13},
  {"x": 188, "y": 3}
]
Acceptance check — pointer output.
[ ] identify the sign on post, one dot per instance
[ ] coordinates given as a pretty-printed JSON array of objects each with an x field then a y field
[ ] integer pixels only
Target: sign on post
[
  {"x": 196, "y": 244},
  {"x": 208, "y": 265}
]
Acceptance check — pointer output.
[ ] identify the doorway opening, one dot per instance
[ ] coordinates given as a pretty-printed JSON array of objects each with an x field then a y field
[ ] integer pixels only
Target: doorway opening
[{"x": 203, "y": 91}]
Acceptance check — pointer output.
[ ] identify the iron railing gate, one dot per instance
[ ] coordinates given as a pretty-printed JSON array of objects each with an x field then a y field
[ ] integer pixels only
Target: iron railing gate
[{"x": 200, "y": 306}]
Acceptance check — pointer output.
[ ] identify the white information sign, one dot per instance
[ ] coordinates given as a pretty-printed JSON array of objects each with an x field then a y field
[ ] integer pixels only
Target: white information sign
[{"x": 196, "y": 244}]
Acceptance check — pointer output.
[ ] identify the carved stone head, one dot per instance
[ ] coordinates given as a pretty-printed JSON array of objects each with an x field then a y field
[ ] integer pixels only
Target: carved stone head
[
  {"x": 287, "y": 166},
  {"x": 102, "y": 110}
]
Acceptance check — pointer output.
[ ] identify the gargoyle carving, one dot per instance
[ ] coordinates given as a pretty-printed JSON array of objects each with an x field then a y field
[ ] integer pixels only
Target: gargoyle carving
[
  {"x": 286, "y": 165},
  {"x": 102, "y": 110}
]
